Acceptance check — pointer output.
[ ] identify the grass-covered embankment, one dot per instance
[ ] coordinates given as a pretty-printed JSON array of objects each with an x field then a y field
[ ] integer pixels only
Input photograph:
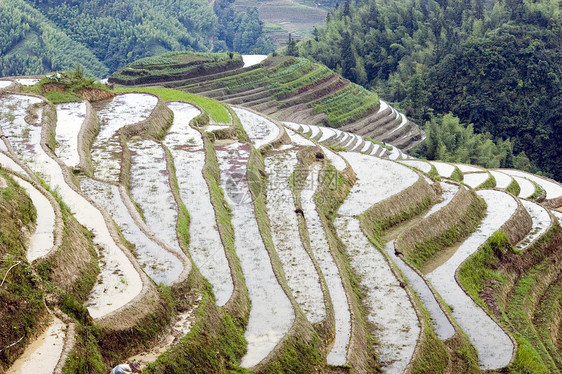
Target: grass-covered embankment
[
  {"x": 173, "y": 66},
  {"x": 395, "y": 209},
  {"x": 21, "y": 298},
  {"x": 216, "y": 111},
  {"x": 451, "y": 224},
  {"x": 516, "y": 287}
]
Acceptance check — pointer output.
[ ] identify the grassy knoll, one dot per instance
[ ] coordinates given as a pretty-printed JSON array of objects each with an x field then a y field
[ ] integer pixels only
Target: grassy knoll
[
  {"x": 216, "y": 110},
  {"x": 69, "y": 86},
  {"x": 176, "y": 66}
]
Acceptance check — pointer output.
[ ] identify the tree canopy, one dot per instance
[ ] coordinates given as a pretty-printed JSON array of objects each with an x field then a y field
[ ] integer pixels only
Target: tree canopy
[{"x": 497, "y": 65}]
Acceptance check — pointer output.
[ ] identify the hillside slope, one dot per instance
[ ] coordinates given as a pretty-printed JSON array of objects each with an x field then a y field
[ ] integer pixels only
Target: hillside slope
[
  {"x": 288, "y": 89},
  {"x": 189, "y": 235},
  {"x": 493, "y": 64}
]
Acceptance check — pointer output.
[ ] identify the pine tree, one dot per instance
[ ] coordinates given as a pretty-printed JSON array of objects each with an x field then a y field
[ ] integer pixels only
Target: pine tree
[{"x": 292, "y": 47}]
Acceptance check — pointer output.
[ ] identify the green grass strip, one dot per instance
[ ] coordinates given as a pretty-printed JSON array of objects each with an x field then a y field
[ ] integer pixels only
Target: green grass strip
[{"x": 215, "y": 109}]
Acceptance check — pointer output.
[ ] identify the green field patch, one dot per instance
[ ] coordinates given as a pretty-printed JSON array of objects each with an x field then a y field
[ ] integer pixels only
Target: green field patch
[{"x": 215, "y": 109}]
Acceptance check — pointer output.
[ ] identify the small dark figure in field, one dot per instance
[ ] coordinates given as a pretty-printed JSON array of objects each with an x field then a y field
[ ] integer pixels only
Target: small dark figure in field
[
  {"x": 398, "y": 253},
  {"x": 319, "y": 155},
  {"x": 299, "y": 211},
  {"x": 262, "y": 173},
  {"x": 402, "y": 284}
]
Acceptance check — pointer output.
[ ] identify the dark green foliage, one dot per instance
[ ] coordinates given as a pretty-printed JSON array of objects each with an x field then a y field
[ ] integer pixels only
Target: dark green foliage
[
  {"x": 241, "y": 32},
  {"x": 119, "y": 32},
  {"x": 449, "y": 140},
  {"x": 40, "y": 36},
  {"x": 292, "y": 47},
  {"x": 494, "y": 64},
  {"x": 519, "y": 95},
  {"x": 30, "y": 44}
]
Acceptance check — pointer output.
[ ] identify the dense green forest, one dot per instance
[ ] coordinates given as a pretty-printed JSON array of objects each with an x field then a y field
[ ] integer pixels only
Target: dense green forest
[
  {"x": 30, "y": 44},
  {"x": 496, "y": 64},
  {"x": 39, "y": 36}
]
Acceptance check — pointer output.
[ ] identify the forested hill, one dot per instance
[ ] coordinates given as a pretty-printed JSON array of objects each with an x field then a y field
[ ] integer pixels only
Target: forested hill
[
  {"x": 495, "y": 64},
  {"x": 40, "y": 36}
]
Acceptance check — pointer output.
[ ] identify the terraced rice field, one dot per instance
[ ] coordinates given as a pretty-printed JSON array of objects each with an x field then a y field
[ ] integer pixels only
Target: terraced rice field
[
  {"x": 255, "y": 270},
  {"x": 271, "y": 315},
  {"x": 297, "y": 90},
  {"x": 443, "y": 169},
  {"x": 299, "y": 269},
  {"x": 150, "y": 189},
  {"x": 160, "y": 264},
  {"x": 541, "y": 222},
  {"x": 119, "y": 282},
  {"x": 205, "y": 246},
  {"x": 70, "y": 118},
  {"x": 443, "y": 327},
  {"x": 390, "y": 308},
  {"x": 495, "y": 348},
  {"x": 552, "y": 189},
  {"x": 527, "y": 187},
  {"x": 474, "y": 180},
  {"x": 260, "y": 130},
  {"x": 449, "y": 191},
  {"x": 123, "y": 110},
  {"x": 321, "y": 250},
  {"x": 42, "y": 240},
  {"x": 502, "y": 180}
]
